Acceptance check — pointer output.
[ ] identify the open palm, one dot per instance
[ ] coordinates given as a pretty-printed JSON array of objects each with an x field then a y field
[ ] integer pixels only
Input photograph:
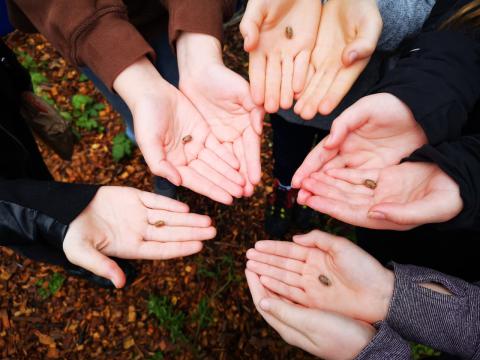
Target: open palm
[
  {"x": 359, "y": 286},
  {"x": 279, "y": 57}
]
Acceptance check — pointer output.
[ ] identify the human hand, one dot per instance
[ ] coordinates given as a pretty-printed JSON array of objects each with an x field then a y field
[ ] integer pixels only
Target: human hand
[
  {"x": 353, "y": 282},
  {"x": 347, "y": 38},
  {"x": 327, "y": 335},
  {"x": 175, "y": 140},
  {"x": 120, "y": 222},
  {"x": 279, "y": 57},
  {"x": 377, "y": 131},
  {"x": 406, "y": 196},
  {"x": 223, "y": 99}
]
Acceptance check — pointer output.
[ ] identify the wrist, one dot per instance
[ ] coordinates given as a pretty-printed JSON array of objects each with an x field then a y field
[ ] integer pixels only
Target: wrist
[
  {"x": 195, "y": 52},
  {"x": 138, "y": 81},
  {"x": 386, "y": 294}
]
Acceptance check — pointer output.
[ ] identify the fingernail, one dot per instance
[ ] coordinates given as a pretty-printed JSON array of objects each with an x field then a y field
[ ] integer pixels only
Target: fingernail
[
  {"x": 352, "y": 56},
  {"x": 377, "y": 215},
  {"x": 265, "y": 304}
]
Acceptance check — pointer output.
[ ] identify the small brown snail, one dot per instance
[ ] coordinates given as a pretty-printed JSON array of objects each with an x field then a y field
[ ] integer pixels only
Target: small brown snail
[
  {"x": 370, "y": 184},
  {"x": 289, "y": 32},
  {"x": 324, "y": 280},
  {"x": 186, "y": 139}
]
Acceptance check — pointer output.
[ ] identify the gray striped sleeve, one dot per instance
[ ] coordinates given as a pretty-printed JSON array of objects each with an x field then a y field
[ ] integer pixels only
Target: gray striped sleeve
[
  {"x": 449, "y": 323},
  {"x": 402, "y": 19},
  {"x": 386, "y": 344}
]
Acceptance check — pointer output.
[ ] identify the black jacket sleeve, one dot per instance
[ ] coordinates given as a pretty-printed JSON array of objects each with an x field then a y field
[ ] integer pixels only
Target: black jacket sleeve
[
  {"x": 460, "y": 160},
  {"x": 40, "y": 211},
  {"x": 437, "y": 76}
]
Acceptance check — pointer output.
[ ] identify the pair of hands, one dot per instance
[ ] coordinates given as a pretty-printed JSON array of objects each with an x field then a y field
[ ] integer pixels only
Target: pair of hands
[
  {"x": 368, "y": 141},
  {"x": 331, "y": 322},
  {"x": 205, "y": 136},
  {"x": 326, "y": 49}
]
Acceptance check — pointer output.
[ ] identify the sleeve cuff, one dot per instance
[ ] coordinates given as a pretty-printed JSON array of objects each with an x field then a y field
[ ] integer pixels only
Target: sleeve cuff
[
  {"x": 111, "y": 46},
  {"x": 386, "y": 344}
]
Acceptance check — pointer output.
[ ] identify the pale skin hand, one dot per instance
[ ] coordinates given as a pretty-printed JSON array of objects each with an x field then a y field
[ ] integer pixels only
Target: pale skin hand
[
  {"x": 360, "y": 287},
  {"x": 278, "y": 64},
  {"x": 118, "y": 223},
  {"x": 328, "y": 335},
  {"x": 223, "y": 99},
  {"x": 407, "y": 195},
  {"x": 347, "y": 38},
  {"x": 377, "y": 131},
  {"x": 162, "y": 118}
]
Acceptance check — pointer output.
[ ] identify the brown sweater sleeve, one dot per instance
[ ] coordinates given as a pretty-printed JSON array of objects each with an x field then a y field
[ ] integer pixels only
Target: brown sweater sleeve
[
  {"x": 198, "y": 16},
  {"x": 95, "y": 33}
]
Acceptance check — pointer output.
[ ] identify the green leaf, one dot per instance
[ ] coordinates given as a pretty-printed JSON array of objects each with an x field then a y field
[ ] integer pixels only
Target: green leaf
[
  {"x": 66, "y": 115},
  {"x": 82, "y": 78},
  {"x": 37, "y": 79},
  {"x": 84, "y": 122},
  {"x": 157, "y": 356},
  {"x": 122, "y": 147},
  {"x": 81, "y": 102},
  {"x": 99, "y": 106}
]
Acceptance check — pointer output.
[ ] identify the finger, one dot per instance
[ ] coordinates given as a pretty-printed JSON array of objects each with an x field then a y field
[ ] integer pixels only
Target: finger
[
  {"x": 152, "y": 250},
  {"x": 291, "y": 293},
  {"x": 287, "y": 277},
  {"x": 286, "y": 90},
  {"x": 213, "y": 160},
  {"x": 222, "y": 152},
  {"x": 302, "y": 196},
  {"x": 292, "y": 315},
  {"x": 316, "y": 238},
  {"x": 251, "y": 24},
  {"x": 272, "y": 84},
  {"x": 179, "y": 233},
  {"x": 256, "y": 72},
  {"x": 354, "y": 176},
  {"x": 431, "y": 209},
  {"x": 251, "y": 147},
  {"x": 365, "y": 42},
  {"x": 341, "y": 85},
  {"x": 342, "y": 185},
  {"x": 302, "y": 101},
  {"x": 278, "y": 261},
  {"x": 319, "y": 188},
  {"x": 218, "y": 179},
  {"x": 351, "y": 119},
  {"x": 178, "y": 219},
  {"x": 338, "y": 162},
  {"x": 314, "y": 161},
  {"x": 154, "y": 201},
  {"x": 282, "y": 248},
  {"x": 94, "y": 261},
  {"x": 240, "y": 154},
  {"x": 256, "y": 119},
  {"x": 195, "y": 182},
  {"x": 162, "y": 168},
  {"x": 300, "y": 71}
]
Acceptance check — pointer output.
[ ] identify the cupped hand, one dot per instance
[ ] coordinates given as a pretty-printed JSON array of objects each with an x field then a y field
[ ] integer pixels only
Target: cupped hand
[
  {"x": 327, "y": 335},
  {"x": 406, "y": 196},
  {"x": 324, "y": 272},
  {"x": 131, "y": 224},
  {"x": 347, "y": 38},
  {"x": 377, "y": 131},
  {"x": 280, "y": 36},
  {"x": 175, "y": 140},
  {"x": 223, "y": 99}
]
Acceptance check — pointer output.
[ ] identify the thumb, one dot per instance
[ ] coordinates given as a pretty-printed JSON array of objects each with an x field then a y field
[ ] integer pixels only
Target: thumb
[
  {"x": 365, "y": 43},
  {"x": 89, "y": 258},
  {"x": 416, "y": 213},
  {"x": 251, "y": 23},
  {"x": 291, "y": 315},
  {"x": 158, "y": 164},
  {"x": 317, "y": 238}
]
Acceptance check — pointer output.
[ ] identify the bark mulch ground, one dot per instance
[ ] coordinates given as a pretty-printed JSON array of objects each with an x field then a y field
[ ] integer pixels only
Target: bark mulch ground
[{"x": 191, "y": 308}]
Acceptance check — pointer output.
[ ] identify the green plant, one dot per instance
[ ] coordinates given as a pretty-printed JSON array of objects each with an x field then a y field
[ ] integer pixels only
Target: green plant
[
  {"x": 203, "y": 314},
  {"x": 85, "y": 112},
  {"x": 420, "y": 351},
  {"x": 82, "y": 78},
  {"x": 168, "y": 318},
  {"x": 157, "y": 356},
  {"x": 37, "y": 79},
  {"x": 122, "y": 147},
  {"x": 54, "y": 283}
]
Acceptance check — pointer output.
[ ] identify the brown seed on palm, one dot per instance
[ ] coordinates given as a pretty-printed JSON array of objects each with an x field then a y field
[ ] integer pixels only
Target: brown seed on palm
[
  {"x": 370, "y": 184},
  {"x": 324, "y": 280},
  {"x": 289, "y": 32},
  {"x": 186, "y": 139},
  {"x": 159, "y": 223}
]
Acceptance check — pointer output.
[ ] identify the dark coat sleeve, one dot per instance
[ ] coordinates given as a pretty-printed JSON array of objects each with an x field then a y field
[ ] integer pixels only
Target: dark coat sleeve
[
  {"x": 460, "y": 160},
  {"x": 449, "y": 323},
  {"x": 33, "y": 211}
]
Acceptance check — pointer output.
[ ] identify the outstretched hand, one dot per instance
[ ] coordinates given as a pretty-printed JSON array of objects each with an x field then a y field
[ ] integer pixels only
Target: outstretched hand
[
  {"x": 176, "y": 142},
  {"x": 324, "y": 272},
  {"x": 280, "y": 36},
  {"x": 132, "y": 224},
  {"x": 327, "y": 335},
  {"x": 406, "y": 196},
  {"x": 223, "y": 99},
  {"x": 347, "y": 38}
]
